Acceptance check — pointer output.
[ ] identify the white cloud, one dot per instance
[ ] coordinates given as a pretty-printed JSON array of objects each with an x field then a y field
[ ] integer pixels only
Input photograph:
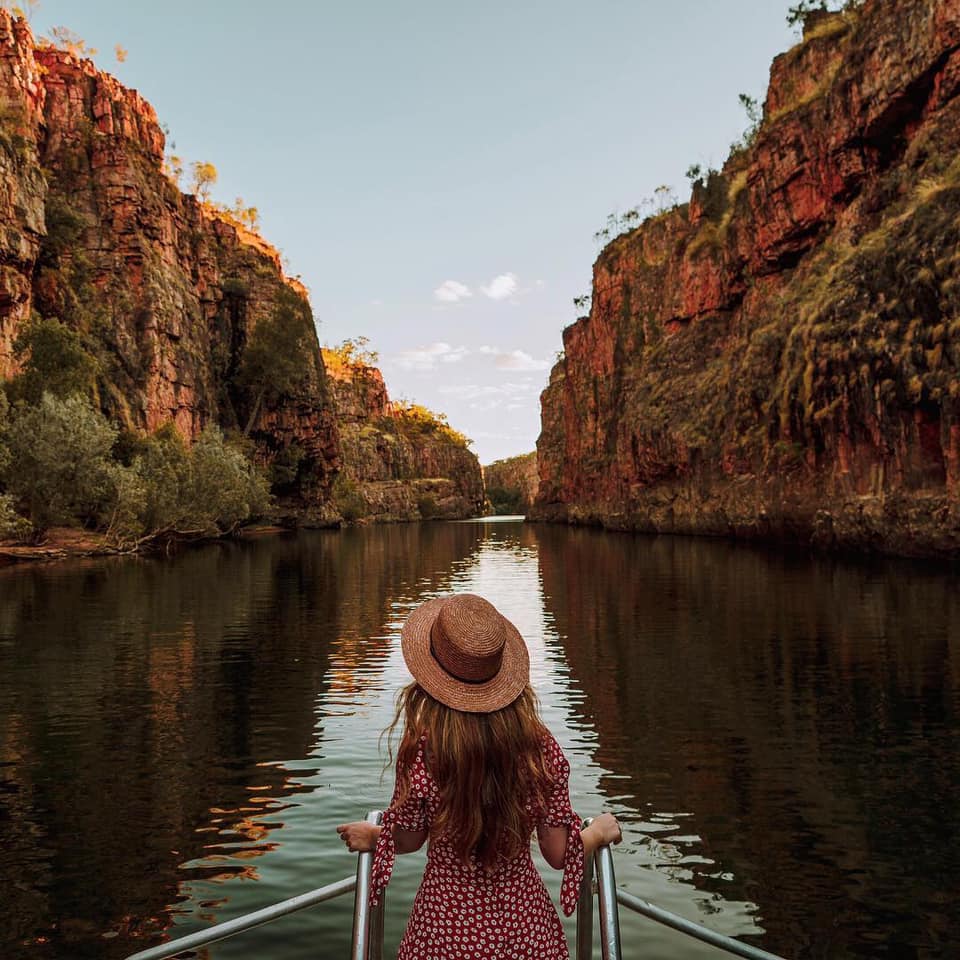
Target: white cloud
[
  {"x": 428, "y": 357},
  {"x": 452, "y": 291},
  {"x": 519, "y": 360},
  {"x": 513, "y": 359},
  {"x": 501, "y": 287},
  {"x": 475, "y": 391}
]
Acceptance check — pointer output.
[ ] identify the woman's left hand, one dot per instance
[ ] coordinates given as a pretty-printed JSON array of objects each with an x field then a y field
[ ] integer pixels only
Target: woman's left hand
[{"x": 360, "y": 836}]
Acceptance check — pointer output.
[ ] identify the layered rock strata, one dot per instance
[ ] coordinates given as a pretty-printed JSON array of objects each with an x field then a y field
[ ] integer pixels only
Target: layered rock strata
[
  {"x": 779, "y": 357},
  {"x": 399, "y": 463},
  {"x": 163, "y": 289}
]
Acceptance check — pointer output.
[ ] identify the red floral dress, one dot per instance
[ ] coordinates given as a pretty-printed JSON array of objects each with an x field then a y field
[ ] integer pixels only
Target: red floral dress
[{"x": 460, "y": 911}]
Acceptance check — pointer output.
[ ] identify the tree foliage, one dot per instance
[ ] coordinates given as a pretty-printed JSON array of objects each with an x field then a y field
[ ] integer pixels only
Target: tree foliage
[
  {"x": 65, "y": 39},
  {"x": 59, "y": 466},
  {"x": 354, "y": 352},
  {"x": 202, "y": 178},
  {"x": 53, "y": 360},
  {"x": 274, "y": 363},
  {"x": 415, "y": 421},
  {"x": 23, "y": 10},
  {"x": 799, "y": 13},
  {"x": 663, "y": 200},
  {"x": 63, "y": 463},
  {"x": 176, "y": 491}
]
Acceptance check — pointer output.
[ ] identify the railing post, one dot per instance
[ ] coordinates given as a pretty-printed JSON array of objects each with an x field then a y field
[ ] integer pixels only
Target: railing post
[
  {"x": 367, "y": 935},
  {"x": 609, "y": 911},
  {"x": 585, "y": 909}
]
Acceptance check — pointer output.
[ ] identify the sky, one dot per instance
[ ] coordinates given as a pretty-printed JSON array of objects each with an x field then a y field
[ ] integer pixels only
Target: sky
[{"x": 435, "y": 170}]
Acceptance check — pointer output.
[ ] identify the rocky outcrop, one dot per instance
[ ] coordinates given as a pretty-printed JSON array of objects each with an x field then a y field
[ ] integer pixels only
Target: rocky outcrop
[
  {"x": 400, "y": 462},
  {"x": 511, "y": 484},
  {"x": 164, "y": 290},
  {"x": 779, "y": 357}
]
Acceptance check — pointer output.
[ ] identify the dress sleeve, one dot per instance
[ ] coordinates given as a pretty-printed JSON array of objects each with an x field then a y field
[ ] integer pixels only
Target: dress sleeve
[
  {"x": 559, "y": 813},
  {"x": 406, "y": 814}
]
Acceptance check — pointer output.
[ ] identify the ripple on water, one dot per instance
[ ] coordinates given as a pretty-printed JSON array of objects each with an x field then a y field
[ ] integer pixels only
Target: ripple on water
[{"x": 777, "y": 734}]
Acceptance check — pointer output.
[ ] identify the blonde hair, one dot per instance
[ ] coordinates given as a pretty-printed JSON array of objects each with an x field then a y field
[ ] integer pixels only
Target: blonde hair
[{"x": 497, "y": 757}]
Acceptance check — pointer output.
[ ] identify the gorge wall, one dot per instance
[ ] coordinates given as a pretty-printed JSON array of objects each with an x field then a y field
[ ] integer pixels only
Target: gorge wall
[
  {"x": 779, "y": 357},
  {"x": 511, "y": 484},
  {"x": 163, "y": 290},
  {"x": 168, "y": 292},
  {"x": 400, "y": 462}
]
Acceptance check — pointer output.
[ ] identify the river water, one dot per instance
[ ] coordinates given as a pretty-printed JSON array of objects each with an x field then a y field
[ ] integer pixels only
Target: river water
[{"x": 778, "y": 734}]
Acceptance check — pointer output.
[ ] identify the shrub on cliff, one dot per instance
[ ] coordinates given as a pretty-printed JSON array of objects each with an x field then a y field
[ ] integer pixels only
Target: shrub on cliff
[
  {"x": 274, "y": 363},
  {"x": 348, "y": 499},
  {"x": 53, "y": 361},
  {"x": 416, "y": 422}
]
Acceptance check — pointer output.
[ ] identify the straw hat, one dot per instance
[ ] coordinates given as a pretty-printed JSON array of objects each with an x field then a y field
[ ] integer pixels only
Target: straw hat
[{"x": 465, "y": 654}]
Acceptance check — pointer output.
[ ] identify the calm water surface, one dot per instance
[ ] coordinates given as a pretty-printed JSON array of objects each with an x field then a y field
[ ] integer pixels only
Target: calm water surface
[{"x": 178, "y": 738}]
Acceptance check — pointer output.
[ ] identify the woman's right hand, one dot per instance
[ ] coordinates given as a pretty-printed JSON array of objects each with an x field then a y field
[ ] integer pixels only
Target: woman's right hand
[{"x": 609, "y": 828}]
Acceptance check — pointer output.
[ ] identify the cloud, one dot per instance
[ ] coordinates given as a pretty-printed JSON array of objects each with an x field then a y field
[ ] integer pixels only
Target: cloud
[
  {"x": 519, "y": 360},
  {"x": 513, "y": 359},
  {"x": 452, "y": 291},
  {"x": 430, "y": 356},
  {"x": 501, "y": 287},
  {"x": 476, "y": 391}
]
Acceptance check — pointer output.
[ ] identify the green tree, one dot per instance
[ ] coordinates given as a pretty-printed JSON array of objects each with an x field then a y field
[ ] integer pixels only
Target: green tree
[
  {"x": 203, "y": 177},
  {"x": 274, "y": 361},
  {"x": 354, "y": 352},
  {"x": 177, "y": 491},
  {"x": 53, "y": 361},
  {"x": 59, "y": 467}
]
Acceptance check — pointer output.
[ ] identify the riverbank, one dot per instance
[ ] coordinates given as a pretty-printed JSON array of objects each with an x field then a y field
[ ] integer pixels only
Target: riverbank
[{"x": 70, "y": 543}]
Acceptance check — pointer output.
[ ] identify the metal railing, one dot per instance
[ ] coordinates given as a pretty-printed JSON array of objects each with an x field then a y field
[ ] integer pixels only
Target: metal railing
[
  {"x": 367, "y": 941},
  {"x": 231, "y": 928},
  {"x": 367, "y": 920},
  {"x": 610, "y": 896}
]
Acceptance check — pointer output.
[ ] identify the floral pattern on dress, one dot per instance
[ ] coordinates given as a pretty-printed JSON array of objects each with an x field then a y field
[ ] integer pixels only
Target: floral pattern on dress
[{"x": 462, "y": 912}]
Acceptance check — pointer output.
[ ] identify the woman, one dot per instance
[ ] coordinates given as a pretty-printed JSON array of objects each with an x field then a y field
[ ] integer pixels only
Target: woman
[{"x": 477, "y": 773}]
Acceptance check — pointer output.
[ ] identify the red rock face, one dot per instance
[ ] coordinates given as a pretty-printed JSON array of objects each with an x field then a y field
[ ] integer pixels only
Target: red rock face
[
  {"x": 779, "y": 357},
  {"x": 163, "y": 289},
  {"x": 394, "y": 466}
]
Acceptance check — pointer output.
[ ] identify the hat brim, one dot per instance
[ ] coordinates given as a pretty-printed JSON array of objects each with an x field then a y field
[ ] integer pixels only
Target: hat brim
[{"x": 491, "y": 695}]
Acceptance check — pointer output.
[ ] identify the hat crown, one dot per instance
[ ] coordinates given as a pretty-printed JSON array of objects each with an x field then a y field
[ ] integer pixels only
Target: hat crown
[{"x": 468, "y": 637}]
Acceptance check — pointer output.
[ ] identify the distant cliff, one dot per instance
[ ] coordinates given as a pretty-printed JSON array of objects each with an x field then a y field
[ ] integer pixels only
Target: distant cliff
[
  {"x": 511, "y": 484},
  {"x": 779, "y": 357},
  {"x": 400, "y": 462}
]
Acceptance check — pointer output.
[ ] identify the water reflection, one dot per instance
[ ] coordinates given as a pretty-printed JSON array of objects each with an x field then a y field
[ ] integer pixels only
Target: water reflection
[
  {"x": 804, "y": 712},
  {"x": 179, "y": 737},
  {"x": 149, "y": 711}
]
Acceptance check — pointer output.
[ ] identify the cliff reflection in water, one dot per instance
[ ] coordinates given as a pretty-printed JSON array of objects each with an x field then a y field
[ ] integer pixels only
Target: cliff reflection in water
[
  {"x": 149, "y": 711},
  {"x": 805, "y": 712}
]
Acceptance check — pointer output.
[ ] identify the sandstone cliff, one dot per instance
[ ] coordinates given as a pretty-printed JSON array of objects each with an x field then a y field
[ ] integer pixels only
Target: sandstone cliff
[
  {"x": 399, "y": 461},
  {"x": 164, "y": 291},
  {"x": 511, "y": 484},
  {"x": 779, "y": 357}
]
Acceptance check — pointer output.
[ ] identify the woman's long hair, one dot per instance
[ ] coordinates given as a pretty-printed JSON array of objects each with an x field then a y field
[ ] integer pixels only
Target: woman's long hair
[{"x": 490, "y": 769}]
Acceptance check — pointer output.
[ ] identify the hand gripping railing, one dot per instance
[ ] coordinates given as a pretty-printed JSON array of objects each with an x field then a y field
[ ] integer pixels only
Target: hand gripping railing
[
  {"x": 367, "y": 921},
  {"x": 367, "y": 941},
  {"x": 610, "y": 896}
]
